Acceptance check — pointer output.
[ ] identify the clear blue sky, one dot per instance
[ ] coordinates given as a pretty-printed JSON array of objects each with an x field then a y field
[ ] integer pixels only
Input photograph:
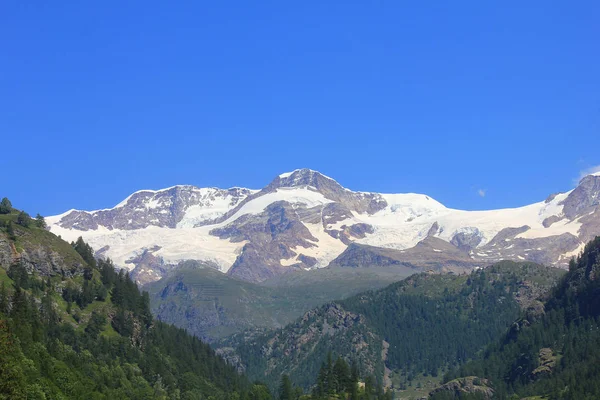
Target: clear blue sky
[{"x": 99, "y": 99}]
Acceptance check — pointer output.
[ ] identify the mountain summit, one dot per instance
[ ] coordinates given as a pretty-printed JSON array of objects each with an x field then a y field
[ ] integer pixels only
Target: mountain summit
[{"x": 304, "y": 219}]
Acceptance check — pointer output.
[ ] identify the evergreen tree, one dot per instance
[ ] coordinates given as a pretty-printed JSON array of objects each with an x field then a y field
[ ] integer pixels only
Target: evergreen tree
[
  {"x": 40, "y": 222},
  {"x": 341, "y": 372},
  {"x": 23, "y": 219},
  {"x": 12, "y": 379},
  {"x": 85, "y": 251},
  {"x": 285, "y": 388},
  {"x": 354, "y": 377},
  {"x": 95, "y": 325},
  {"x": 329, "y": 377},
  {"x": 144, "y": 309},
  {"x": 5, "y": 206},
  {"x": 10, "y": 231},
  {"x": 321, "y": 388},
  {"x": 19, "y": 275},
  {"x": 3, "y": 299}
]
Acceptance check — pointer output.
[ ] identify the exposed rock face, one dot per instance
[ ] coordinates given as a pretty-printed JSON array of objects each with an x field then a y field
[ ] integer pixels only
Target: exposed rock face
[
  {"x": 547, "y": 250},
  {"x": 232, "y": 358},
  {"x": 430, "y": 253},
  {"x": 314, "y": 331},
  {"x": 590, "y": 226},
  {"x": 547, "y": 363},
  {"x": 467, "y": 240},
  {"x": 469, "y": 384},
  {"x": 507, "y": 234},
  {"x": 271, "y": 236},
  {"x": 148, "y": 267},
  {"x": 550, "y": 220},
  {"x": 40, "y": 256},
  {"x": 333, "y": 213},
  {"x": 6, "y": 252},
  {"x": 357, "y": 201},
  {"x": 164, "y": 208},
  {"x": 360, "y": 255},
  {"x": 435, "y": 228},
  {"x": 584, "y": 199},
  {"x": 313, "y": 180}
]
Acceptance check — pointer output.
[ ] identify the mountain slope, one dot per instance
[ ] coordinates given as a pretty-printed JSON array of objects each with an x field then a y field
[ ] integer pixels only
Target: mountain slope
[
  {"x": 555, "y": 352},
  {"x": 212, "y": 305},
  {"x": 304, "y": 219},
  {"x": 422, "y": 324},
  {"x": 72, "y": 327}
]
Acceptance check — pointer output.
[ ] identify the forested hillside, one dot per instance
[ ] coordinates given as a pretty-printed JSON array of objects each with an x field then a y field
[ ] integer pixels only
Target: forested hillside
[
  {"x": 555, "y": 352},
  {"x": 213, "y": 305},
  {"x": 420, "y": 326},
  {"x": 73, "y": 327}
]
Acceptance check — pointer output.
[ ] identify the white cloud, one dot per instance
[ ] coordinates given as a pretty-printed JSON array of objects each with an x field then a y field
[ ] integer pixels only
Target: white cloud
[
  {"x": 588, "y": 171},
  {"x": 481, "y": 192}
]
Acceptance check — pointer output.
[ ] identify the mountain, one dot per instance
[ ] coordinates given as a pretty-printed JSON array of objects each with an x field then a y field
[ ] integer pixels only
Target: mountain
[
  {"x": 212, "y": 305},
  {"x": 72, "y": 327},
  {"x": 306, "y": 220},
  {"x": 555, "y": 352},
  {"x": 411, "y": 329}
]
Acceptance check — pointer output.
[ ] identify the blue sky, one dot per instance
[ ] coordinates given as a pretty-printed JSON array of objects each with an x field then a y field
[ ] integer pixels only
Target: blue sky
[{"x": 99, "y": 99}]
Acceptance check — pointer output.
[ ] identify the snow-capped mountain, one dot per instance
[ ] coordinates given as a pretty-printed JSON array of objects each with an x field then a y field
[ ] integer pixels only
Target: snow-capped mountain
[{"x": 304, "y": 219}]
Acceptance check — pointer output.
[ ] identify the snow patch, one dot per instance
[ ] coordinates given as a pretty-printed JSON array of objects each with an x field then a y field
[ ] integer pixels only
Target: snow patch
[{"x": 327, "y": 249}]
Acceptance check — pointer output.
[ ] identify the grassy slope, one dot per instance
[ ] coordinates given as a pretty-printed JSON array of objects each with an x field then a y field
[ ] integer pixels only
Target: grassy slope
[
  {"x": 33, "y": 237},
  {"x": 228, "y": 305}
]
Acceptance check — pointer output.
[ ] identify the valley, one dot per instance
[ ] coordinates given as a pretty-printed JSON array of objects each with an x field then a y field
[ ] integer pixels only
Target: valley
[{"x": 406, "y": 328}]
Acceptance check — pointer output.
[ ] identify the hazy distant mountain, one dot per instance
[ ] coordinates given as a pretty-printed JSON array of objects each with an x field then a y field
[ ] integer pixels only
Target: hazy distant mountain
[{"x": 304, "y": 219}]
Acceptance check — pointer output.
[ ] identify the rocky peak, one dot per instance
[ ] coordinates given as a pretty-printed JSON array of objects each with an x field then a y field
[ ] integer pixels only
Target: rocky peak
[
  {"x": 360, "y": 202},
  {"x": 584, "y": 198},
  {"x": 163, "y": 208},
  {"x": 302, "y": 178}
]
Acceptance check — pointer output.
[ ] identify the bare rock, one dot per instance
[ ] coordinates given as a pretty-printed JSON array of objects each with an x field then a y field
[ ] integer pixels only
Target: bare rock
[
  {"x": 584, "y": 198},
  {"x": 469, "y": 384}
]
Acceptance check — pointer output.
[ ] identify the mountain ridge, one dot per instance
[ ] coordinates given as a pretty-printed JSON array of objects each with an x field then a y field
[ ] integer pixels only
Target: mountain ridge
[{"x": 304, "y": 219}]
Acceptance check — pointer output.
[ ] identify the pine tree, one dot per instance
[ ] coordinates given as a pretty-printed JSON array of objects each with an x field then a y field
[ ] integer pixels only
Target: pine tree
[
  {"x": 85, "y": 251},
  {"x": 354, "y": 381},
  {"x": 144, "y": 309},
  {"x": 330, "y": 380},
  {"x": 40, "y": 222},
  {"x": 285, "y": 388},
  {"x": 95, "y": 325},
  {"x": 5, "y": 206},
  {"x": 3, "y": 299},
  {"x": 23, "y": 219},
  {"x": 321, "y": 387},
  {"x": 341, "y": 373},
  {"x": 10, "y": 231},
  {"x": 12, "y": 378},
  {"x": 19, "y": 275}
]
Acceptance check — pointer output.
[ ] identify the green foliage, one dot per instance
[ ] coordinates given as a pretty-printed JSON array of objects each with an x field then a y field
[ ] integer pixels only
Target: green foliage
[
  {"x": 457, "y": 396},
  {"x": 336, "y": 379},
  {"x": 245, "y": 305},
  {"x": 5, "y": 206},
  {"x": 85, "y": 251},
  {"x": 10, "y": 231},
  {"x": 40, "y": 222},
  {"x": 429, "y": 322},
  {"x": 286, "y": 392},
  {"x": 569, "y": 328},
  {"x": 24, "y": 219},
  {"x": 45, "y": 353}
]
